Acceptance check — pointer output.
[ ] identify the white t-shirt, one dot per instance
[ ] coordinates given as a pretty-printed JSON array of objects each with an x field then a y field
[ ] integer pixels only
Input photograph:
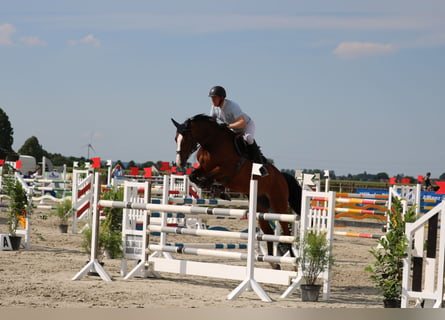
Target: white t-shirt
[{"x": 228, "y": 113}]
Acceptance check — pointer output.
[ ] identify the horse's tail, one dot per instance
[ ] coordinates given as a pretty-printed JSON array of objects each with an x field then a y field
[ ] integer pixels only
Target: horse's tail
[{"x": 295, "y": 192}]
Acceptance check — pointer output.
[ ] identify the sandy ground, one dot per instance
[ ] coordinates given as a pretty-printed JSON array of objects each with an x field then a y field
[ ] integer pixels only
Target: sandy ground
[{"x": 41, "y": 278}]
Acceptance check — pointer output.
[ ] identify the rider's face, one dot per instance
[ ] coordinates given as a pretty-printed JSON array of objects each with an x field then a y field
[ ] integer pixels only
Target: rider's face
[{"x": 217, "y": 101}]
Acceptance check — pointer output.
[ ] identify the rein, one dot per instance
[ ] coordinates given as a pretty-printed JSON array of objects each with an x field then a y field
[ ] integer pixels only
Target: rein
[{"x": 195, "y": 142}]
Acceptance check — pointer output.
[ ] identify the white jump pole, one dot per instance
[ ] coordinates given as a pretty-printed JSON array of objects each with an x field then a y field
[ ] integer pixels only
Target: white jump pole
[
  {"x": 250, "y": 283},
  {"x": 93, "y": 264},
  {"x": 163, "y": 238}
]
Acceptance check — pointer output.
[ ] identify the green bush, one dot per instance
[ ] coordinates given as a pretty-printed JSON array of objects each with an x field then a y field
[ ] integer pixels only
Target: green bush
[
  {"x": 18, "y": 203},
  {"x": 63, "y": 211},
  {"x": 391, "y": 250},
  {"x": 110, "y": 229}
]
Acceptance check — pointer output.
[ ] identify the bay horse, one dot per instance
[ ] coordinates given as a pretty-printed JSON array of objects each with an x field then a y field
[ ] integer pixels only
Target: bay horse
[{"x": 222, "y": 161}]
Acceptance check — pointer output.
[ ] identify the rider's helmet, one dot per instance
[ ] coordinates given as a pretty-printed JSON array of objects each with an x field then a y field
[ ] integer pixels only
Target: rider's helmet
[{"x": 217, "y": 91}]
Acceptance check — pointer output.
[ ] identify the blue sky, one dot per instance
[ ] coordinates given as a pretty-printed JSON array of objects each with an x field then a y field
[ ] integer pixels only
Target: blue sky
[{"x": 349, "y": 86}]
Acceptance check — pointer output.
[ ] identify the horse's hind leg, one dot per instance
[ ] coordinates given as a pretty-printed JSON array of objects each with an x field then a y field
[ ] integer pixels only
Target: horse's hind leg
[
  {"x": 283, "y": 248},
  {"x": 267, "y": 229},
  {"x": 263, "y": 205}
]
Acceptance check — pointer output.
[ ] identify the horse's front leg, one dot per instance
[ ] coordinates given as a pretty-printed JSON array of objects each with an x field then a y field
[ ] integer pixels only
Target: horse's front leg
[{"x": 201, "y": 179}]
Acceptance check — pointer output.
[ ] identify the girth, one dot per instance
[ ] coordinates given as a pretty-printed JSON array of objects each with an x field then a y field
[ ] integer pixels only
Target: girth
[{"x": 238, "y": 166}]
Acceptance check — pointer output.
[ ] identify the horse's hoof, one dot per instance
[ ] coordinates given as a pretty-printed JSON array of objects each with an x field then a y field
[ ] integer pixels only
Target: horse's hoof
[
  {"x": 283, "y": 248},
  {"x": 275, "y": 266},
  {"x": 225, "y": 196}
]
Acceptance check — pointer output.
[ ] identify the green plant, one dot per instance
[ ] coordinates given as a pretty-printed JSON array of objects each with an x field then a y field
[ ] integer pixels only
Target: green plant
[
  {"x": 110, "y": 229},
  {"x": 108, "y": 242},
  {"x": 18, "y": 203},
  {"x": 314, "y": 255},
  {"x": 63, "y": 211},
  {"x": 86, "y": 243},
  {"x": 113, "y": 220},
  {"x": 390, "y": 252}
]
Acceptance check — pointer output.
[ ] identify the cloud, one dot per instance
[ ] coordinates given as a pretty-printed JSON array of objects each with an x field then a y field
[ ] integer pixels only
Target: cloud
[
  {"x": 358, "y": 49},
  {"x": 6, "y": 32},
  {"x": 87, "y": 40},
  {"x": 32, "y": 41}
]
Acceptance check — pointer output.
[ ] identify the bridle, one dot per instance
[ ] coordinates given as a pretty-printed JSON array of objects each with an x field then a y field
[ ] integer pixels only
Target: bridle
[{"x": 179, "y": 139}]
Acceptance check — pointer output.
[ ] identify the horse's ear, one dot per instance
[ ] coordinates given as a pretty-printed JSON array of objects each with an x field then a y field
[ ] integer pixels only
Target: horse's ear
[{"x": 177, "y": 125}]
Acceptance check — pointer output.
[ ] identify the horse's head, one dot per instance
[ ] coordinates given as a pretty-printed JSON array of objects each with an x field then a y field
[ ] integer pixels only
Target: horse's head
[{"x": 186, "y": 144}]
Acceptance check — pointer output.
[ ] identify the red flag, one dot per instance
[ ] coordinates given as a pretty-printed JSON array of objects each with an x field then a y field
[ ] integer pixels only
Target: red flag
[
  {"x": 406, "y": 180},
  {"x": 188, "y": 171},
  {"x": 148, "y": 172},
  {"x": 165, "y": 166},
  {"x": 441, "y": 185},
  {"x": 18, "y": 164},
  {"x": 134, "y": 171},
  {"x": 2, "y": 162},
  {"x": 420, "y": 179},
  {"x": 196, "y": 165},
  {"x": 174, "y": 169},
  {"x": 392, "y": 180},
  {"x": 96, "y": 162}
]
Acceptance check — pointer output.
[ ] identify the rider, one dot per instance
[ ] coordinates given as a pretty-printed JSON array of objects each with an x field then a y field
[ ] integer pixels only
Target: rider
[{"x": 231, "y": 114}]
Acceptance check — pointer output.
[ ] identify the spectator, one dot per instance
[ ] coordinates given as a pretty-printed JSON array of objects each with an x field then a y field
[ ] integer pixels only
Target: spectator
[
  {"x": 427, "y": 182},
  {"x": 118, "y": 172}
]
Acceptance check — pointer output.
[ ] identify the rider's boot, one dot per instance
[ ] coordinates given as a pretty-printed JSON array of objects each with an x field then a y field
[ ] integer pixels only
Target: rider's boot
[{"x": 257, "y": 156}]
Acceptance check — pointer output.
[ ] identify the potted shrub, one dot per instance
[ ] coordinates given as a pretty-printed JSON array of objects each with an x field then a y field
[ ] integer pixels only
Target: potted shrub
[
  {"x": 389, "y": 254},
  {"x": 18, "y": 206},
  {"x": 313, "y": 259},
  {"x": 63, "y": 211}
]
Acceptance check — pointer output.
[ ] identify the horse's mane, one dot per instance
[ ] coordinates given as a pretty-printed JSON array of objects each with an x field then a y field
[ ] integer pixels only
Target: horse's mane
[
  {"x": 202, "y": 117},
  {"x": 206, "y": 118}
]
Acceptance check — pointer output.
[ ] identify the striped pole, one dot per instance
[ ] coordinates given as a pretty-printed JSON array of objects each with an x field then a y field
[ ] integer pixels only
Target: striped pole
[
  {"x": 215, "y": 202},
  {"x": 351, "y": 210},
  {"x": 220, "y": 233},
  {"x": 172, "y": 208},
  {"x": 362, "y": 195},
  {"x": 221, "y": 254},
  {"x": 355, "y": 201},
  {"x": 226, "y": 246},
  {"x": 357, "y": 234}
]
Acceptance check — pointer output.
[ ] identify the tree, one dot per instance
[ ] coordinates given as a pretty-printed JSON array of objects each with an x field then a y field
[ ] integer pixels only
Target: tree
[
  {"x": 6, "y": 135},
  {"x": 131, "y": 163},
  {"x": 382, "y": 176},
  {"x": 32, "y": 147},
  {"x": 148, "y": 164}
]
